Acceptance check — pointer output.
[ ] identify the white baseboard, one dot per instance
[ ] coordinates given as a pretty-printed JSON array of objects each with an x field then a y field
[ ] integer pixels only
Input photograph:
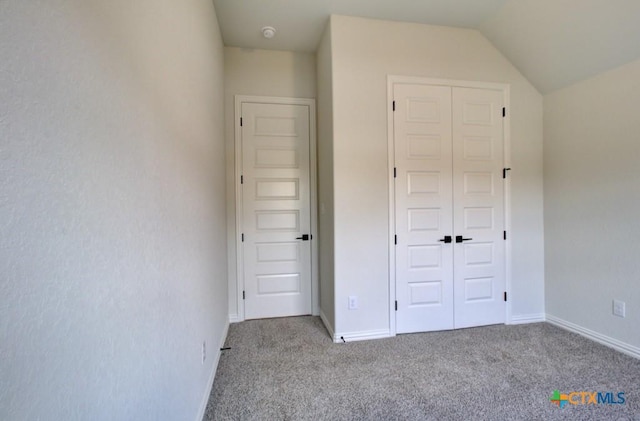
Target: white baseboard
[
  {"x": 620, "y": 346},
  {"x": 212, "y": 376},
  {"x": 234, "y": 318},
  {"x": 527, "y": 318},
  {"x": 361, "y": 336},
  {"x": 326, "y": 323}
]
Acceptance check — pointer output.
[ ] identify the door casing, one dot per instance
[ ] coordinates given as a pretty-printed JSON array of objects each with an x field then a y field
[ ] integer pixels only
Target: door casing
[
  {"x": 311, "y": 104},
  {"x": 505, "y": 89}
]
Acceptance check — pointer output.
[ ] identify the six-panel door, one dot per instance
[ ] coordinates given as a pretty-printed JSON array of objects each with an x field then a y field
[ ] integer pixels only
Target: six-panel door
[
  {"x": 276, "y": 210},
  {"x": 478, "y": 212},
  {"x": 424, "y": 208}
]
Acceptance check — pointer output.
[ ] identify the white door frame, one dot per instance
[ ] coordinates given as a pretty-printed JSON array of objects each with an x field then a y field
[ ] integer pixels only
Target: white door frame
[
  {"x": 311, "y": 104},
  {"x": 505, "y": 89}
]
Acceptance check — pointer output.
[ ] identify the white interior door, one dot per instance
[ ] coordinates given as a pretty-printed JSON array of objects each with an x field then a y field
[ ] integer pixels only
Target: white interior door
[
  {"x": 276, "y": 214},
  {"x": 424, "y": 208},
  {"x": 449, "y": 207},
  {"x": 478, "y": 213}
]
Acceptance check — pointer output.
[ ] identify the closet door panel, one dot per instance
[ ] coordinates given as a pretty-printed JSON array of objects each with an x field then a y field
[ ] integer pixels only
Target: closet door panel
[
  {"x": 423, "y": 198},
  {"x": 478, "y": 211}
]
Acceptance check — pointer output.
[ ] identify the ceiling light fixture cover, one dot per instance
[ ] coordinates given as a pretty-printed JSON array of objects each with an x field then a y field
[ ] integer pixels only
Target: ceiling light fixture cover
[{"x": 268, "y": 32}]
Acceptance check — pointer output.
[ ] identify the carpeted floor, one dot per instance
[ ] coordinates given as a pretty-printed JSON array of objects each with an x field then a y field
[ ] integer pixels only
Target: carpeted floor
[{"x": 288, "y": 369}]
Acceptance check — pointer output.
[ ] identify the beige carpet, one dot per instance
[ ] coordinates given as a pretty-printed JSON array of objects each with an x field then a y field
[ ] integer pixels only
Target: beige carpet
[{"x": 288, "y": 369}]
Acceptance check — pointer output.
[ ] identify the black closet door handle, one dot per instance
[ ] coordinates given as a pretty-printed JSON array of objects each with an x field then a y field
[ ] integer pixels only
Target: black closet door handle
[
  {"x": 305, "y": 237},
  {"x": 446, "y": 239},
  {"x": 459, "y": 239}
]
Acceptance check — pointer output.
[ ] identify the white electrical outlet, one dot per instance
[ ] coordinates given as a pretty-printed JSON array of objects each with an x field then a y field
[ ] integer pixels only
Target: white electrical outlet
[
  {"x": 204, "y": 351},
  {"x": 353, "y": 302},
  {"x": 618, "y": 308}
]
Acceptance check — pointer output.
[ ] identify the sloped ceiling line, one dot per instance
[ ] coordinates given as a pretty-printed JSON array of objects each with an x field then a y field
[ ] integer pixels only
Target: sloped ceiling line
[{"x": 554, "y": 43}]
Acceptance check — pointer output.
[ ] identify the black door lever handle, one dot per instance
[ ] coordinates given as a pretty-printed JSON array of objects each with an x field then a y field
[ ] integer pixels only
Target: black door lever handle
[
  {"x": 305, "y": 237},
  {"x": 459, "y": 239},
  {"x": 446, "y": 239}
]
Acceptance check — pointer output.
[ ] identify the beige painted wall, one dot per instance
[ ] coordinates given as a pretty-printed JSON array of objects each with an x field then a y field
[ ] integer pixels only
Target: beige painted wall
[
  {"x": 592, "y": 202},
  {"x": 325, "y": 178},
  {"x": 364, "y": 52},
  {"x": 262, "y": 73},
  {"x": 112, "y": 208}
]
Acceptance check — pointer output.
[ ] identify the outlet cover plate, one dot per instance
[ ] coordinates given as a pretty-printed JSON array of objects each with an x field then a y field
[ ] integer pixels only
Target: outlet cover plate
[{"x": 619, "y": 308}]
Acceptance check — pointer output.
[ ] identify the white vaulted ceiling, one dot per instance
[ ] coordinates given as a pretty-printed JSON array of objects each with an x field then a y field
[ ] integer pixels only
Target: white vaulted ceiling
[{"x": 554, "y": 43}]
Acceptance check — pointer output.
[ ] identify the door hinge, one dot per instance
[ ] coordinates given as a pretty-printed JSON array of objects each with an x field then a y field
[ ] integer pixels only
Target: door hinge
[
  {"x": 504, "y": 172},
  {"x": 242, "y": 236},
  {"x": 395, "y": 172},
  {"x": 242, "y": 179},
  {"x": 243, "y": 296},
  {"x": 504, "y": 112},
  {"x": 396, "y": 305},
  {"x": 394, "y": 105},
  {"x": 504, "y": 234},
  {"x": 505, "y": 295},
  {"x": 395, "y": 239},
  {"x": 240, "y": 121}
]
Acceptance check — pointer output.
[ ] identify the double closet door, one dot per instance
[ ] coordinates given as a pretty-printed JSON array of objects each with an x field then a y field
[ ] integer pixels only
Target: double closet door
[{"x": 449, "y": 207}]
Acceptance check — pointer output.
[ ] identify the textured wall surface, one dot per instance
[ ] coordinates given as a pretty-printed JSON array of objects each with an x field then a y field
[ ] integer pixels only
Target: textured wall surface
[
  {"x": 592, "y": 202},
  {"x": 325, "y": 178},
  {"x": 112, "y": 215},
  {"x": 364, "y": 52}
]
